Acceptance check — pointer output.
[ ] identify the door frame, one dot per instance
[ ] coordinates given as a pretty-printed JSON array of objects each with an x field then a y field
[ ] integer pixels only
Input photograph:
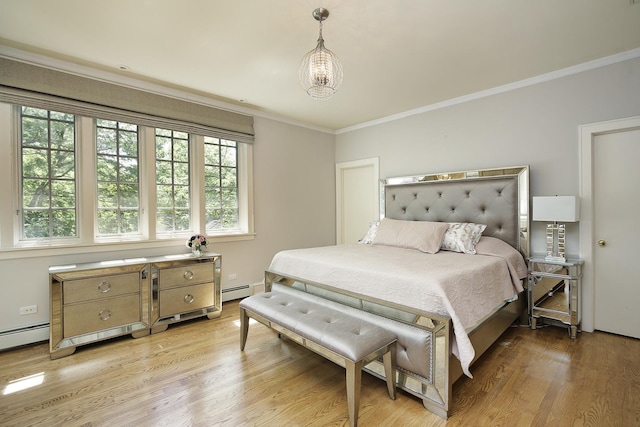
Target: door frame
[
  {"x": 374, "y": 165},
  {"x": 587, "y": 134}
]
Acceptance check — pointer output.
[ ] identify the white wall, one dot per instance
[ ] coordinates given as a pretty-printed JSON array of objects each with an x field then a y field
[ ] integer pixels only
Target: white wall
[
  {"x": 535, "y": 125},
  {"x": 294, "y": 205}
]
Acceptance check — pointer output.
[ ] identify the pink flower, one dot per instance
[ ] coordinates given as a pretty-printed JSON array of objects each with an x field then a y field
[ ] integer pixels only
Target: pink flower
[{"x": 196, "y": 241}]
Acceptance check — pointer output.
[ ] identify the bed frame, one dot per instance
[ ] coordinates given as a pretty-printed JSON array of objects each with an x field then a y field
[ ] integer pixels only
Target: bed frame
[{"x": 496, "y": 197}]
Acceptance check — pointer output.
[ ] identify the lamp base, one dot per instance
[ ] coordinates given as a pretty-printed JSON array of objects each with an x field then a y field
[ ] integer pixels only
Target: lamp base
[{"x": 555, "y": 242}]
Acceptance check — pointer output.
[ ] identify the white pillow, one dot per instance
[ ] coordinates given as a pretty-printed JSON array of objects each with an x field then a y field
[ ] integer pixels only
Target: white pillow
[
  {"x": 371, "y": 233},
  {"x": 424, "y": 236},
  {"x": 462, "y": 237}
]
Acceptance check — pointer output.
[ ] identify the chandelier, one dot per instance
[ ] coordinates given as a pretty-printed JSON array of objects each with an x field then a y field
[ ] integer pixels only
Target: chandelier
[{"x": 320, "y": 71}]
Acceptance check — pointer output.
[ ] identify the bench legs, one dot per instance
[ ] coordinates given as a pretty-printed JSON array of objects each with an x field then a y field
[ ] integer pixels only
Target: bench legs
[
  {"x": 353, "y": 371},
  {"x": 244, "y": 328},
  {"x": 354, "y": 384},
  {"x": 389, "y": 362}
]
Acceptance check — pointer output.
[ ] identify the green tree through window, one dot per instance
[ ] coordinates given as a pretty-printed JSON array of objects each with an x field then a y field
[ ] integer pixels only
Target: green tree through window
[
  {"x": 59, "y": 200},
  {"x": 221, "y": 184},
  {"x": 172, "y": 181},
  {"x": 47, "y": 163},
  {"x": 117, "y": 178}
]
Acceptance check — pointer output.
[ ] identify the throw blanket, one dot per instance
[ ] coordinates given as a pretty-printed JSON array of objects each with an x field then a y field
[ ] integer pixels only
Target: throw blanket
[{"x": 467, "y": 288}]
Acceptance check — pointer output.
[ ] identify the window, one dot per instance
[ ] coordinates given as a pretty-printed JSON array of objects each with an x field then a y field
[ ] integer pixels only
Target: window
[
  {"x": 76, "y": 179},
  {"x": 118, "y": 180},
  {"x": 172, "y": 181},
  {"x": 48, "y": 174},
  {"x": 221, "y": 184}
]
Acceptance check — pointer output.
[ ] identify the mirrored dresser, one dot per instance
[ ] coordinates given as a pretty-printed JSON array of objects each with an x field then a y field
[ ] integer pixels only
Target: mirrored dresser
[
  {"x": 92, "y": 302},
  {"x": 554, "y": 293}
]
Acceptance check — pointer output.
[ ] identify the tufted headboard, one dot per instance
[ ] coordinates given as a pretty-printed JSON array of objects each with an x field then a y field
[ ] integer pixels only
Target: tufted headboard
[{"x": 498, "y": 198}]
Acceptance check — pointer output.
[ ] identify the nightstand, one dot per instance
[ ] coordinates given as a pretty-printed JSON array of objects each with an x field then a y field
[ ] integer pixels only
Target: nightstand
[{"x": 554, "y": 293}]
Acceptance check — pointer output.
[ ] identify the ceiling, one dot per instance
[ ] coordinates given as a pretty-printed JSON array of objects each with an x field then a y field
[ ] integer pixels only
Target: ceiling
[{"x": 397, "y": 55}]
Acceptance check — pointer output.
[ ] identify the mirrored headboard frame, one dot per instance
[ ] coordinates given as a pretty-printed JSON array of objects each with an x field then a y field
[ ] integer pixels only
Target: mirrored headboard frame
[{"x": 497, "y": 197}]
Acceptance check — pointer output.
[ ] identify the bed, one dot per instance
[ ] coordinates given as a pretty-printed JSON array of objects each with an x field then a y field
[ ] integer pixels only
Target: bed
[{"x": 446, "y": 306}]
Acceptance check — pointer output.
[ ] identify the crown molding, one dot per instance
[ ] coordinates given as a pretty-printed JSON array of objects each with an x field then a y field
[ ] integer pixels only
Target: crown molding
[{"x": 558, "y": 74}]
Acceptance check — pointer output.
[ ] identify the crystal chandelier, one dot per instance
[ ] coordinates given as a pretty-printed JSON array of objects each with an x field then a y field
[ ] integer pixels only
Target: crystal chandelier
[{"x": 320, "y": 71}]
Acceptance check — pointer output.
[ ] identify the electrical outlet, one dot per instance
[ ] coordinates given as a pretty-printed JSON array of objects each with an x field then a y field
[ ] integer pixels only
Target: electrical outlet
[
  {"x": 233, "y": 276},
  {"x": 30, "y": 309}
]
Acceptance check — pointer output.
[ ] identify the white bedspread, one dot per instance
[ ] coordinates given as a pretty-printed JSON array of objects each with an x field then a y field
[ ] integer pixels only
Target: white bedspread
[{"x": 464, "y": 287}]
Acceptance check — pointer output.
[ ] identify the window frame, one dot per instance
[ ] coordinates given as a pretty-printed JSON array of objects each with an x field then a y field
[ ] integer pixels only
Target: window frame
[
  {"x": 220, "y": 167},
  {"x": 118, "y": 208},
  {"x": 19, "y": 160},
  {"x": 173, "y": 184},
  {"x": 86, "y": 181}
]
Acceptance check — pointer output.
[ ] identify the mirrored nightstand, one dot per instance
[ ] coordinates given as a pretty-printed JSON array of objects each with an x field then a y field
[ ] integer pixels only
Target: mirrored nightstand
[{"x": 554, "y": 293}]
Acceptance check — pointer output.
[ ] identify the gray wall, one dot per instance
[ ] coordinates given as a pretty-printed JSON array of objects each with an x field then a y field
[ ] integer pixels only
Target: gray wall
[
  {"x": 535, "y": 125},
  {"x": 294, "y": 175},
  {"x": 294, "y": 205}
]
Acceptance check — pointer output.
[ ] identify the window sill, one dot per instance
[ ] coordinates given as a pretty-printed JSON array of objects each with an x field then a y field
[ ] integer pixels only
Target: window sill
[{"x": 60, "y": 250}]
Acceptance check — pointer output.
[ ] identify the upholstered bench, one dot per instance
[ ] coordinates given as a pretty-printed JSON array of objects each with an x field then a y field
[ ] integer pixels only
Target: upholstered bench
[{"x": 348, "y": 341}]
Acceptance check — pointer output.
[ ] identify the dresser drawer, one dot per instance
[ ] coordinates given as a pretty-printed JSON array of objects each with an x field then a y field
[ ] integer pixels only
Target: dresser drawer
[
  {"x": 100, "y": 287},
  {"x": 190, "y": 274},
  {"x": 185, "y": 299},
  {"x": 101, "y": 314}
]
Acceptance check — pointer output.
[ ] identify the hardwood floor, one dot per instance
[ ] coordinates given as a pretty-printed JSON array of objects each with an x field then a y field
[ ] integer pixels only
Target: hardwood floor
[{"x": 194, "y": 374}]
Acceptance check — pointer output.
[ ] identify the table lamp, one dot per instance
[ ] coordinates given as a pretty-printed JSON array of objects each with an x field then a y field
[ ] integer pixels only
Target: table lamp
[{"x": 556, "y": 210}]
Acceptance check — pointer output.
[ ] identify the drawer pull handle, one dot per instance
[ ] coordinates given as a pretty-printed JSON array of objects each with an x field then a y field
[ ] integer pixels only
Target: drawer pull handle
[
  {"x": 188, "y": 275},
  {"x": 188, "y": 298},
  {"x": 104, "y": 286},
  {"x": 104, "y": 314}
]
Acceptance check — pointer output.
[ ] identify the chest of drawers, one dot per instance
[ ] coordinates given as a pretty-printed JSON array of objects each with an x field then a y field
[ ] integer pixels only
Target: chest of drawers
[
  {"x": 185, "y": 289},
  {"x": 96, "y": 301}
]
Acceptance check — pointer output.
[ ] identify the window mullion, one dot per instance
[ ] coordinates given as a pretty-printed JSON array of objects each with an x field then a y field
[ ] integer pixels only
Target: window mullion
[
  {"x": 86, "y": 184},
  {"x": 147, "y": 182}
]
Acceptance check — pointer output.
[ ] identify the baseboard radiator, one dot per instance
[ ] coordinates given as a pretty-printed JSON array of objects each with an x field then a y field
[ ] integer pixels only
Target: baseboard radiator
[
  {"x": 237, "y": 292},
  {"x": 22, "y": 336}
]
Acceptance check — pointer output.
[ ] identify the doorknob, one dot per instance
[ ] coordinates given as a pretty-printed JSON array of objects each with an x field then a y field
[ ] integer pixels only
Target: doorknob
[{"x": 602, "y": 243}]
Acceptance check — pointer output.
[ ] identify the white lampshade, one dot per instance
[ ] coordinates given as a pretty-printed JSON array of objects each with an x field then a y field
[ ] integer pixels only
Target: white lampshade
[{"x": 556, "y": 208}]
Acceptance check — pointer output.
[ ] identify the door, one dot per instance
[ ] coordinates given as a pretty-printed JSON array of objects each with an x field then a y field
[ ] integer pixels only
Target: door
[
  {"x": 357, "y": 199},
  {"x": 616, "y": 195}
]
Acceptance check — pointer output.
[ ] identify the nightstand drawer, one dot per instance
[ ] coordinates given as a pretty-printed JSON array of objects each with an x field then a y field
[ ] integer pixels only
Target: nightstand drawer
[
  {"x": 100, "y": 287},
  {"x": 186, "y": 299},
  {"x": 186, "y": 275},
  {"x": 102, "y": 314}
]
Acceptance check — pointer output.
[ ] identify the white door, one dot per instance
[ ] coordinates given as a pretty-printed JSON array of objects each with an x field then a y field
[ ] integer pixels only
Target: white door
[
  {"x": 616, "y": 195},
  {"x": 357, "y": 195}
]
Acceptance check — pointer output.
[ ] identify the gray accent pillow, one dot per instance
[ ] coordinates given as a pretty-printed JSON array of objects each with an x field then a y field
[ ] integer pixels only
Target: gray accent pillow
[
  {"x": 424, "y": 236},
  {"x": 462, "y": 237},
  {"x": 371, "y": 233}
]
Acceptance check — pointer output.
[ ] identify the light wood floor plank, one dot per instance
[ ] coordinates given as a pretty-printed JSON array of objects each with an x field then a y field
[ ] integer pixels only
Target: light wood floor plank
[{"x": 194, "y": 374}]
